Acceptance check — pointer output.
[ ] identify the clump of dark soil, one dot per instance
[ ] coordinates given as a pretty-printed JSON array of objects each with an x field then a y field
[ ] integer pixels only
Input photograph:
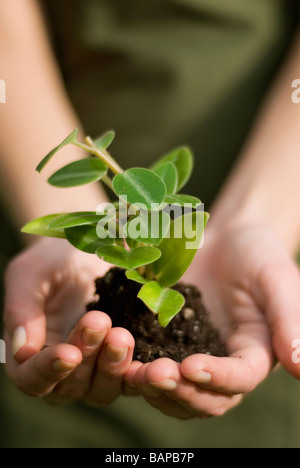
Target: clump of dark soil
[{"x": 190, "y": 332}]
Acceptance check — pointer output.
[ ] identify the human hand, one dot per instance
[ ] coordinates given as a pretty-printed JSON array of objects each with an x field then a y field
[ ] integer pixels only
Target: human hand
[
  {"x": 251, "y": 286},
  {"x": 47, "y": 289}
]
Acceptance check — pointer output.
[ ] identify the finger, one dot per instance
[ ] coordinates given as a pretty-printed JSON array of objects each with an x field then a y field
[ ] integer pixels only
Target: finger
[
  {"x": 113, "y": 363},
  {"x": 165, "y": 375},
  {"x": 156, "y": 396},
  {"x": 88, "y": 336},
  {"x": 38, "y": 375},
  {"x": 129, "y": 387},
  {"x": 243, "y": 371},
  {"x": 280, "y": 299},
  {"x": 24, "y": 309}
]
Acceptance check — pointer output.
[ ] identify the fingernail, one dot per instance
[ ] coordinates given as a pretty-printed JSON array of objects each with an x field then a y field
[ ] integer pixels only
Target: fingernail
[
  {"x": 151, "y": 391},
  {"x": 201, "y": 377},
  {"x": 116, "y": 355},
  {"x": 93, "y": 337},
  {"x": 168, "y": 385},
  {"x": 62, "y": 366},
  {"x": 19, "y": 340}
]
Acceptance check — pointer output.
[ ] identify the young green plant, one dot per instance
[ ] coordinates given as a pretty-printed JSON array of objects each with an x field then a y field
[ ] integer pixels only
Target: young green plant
[{"x": 148, "y": 232}]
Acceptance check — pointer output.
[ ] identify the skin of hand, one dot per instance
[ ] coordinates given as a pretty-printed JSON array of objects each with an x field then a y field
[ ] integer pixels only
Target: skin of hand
[
  {"x": 248, "y": 279},
  {"x": 48, "y": 287}
]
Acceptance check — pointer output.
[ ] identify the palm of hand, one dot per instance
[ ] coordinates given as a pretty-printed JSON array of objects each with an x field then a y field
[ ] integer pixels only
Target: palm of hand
[
  {"x": 67, "y": 292},
  {"x": 85, "y": 358}
]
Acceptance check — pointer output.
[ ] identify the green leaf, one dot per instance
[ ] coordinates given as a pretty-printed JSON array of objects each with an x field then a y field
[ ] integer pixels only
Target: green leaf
[
  {"x": 75, "y": 219},
  {"x": 103, "y": 142},
  {"x": 79, "y": 173},
  {"x": 179, "y": 250},
  {"x": 129, "y": 260},
  {"x": 182, "y": 200},
  {"x": 131, "y": 243},
  {"x": 168, "y": 173},
  {"x": 134, "y": 275},
  {"x": 40, "y": 227},
  {"x": 165, "y": 302},
  {"x": 71, "y": 139},
  {"x": 141, "y": 186},
  {"x": 85, "y": 238},
  {"x": 183, "y": 160},
  {"x": 149, "y": 228}
]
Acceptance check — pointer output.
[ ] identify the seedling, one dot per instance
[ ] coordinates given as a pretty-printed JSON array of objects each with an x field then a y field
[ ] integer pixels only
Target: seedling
[{"x": 152, "y": 231}]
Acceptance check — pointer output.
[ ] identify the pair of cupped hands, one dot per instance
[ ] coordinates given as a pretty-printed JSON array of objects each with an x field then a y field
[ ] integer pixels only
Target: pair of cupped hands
[{"x": 250, "y": 284}]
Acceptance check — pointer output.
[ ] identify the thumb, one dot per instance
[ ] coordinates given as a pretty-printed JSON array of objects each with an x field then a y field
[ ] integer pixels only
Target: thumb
[
  {"x": 280, "y": 288},
  {"x": 24, "y": 316}
]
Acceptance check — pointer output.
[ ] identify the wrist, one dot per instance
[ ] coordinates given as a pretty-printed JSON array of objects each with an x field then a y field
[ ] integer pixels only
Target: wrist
[{"x": 257, "y": 209}]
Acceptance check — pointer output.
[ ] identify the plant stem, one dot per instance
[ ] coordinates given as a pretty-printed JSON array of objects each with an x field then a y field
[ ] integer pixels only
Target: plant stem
[
  {"x": 142, "y": 270},
  {"x": 108, "y": 182},
  {"x": 149, "y": 273},
  {"x": 103, "y": 155}
]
